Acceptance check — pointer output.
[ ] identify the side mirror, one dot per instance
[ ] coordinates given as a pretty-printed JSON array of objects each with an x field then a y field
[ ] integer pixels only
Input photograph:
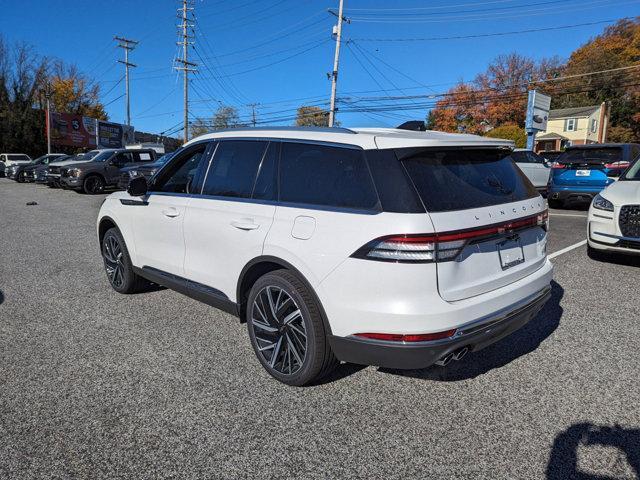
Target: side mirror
[{"x": 138, "y": 187}]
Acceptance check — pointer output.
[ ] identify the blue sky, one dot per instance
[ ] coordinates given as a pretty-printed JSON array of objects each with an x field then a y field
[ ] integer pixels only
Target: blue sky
[{"x": 276, "y": 53}]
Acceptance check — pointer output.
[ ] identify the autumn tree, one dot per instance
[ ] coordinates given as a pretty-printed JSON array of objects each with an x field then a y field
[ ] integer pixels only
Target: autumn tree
[
  {"x": 495, "y": 97},
  {"x": 310, "y": 116},
  {"x": 73, "y": 92},
  {"x": 617, "y": 47}
]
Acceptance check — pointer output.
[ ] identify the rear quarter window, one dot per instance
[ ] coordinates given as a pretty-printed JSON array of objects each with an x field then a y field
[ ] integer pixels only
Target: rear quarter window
[
  {"x": 326, "y": 176},
  {"x": 458, "y": 179}
]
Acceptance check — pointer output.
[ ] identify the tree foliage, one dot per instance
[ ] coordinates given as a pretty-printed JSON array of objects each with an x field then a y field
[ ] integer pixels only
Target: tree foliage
[
  {"x": 226, "y": 117},
  {"x": 618, "y": 46},
  {"x": 310, "y": 116},
  {"x": 495, "y": 97},
  {"x": 23, "y": 77},
  {"x": 510, "y": 132}
]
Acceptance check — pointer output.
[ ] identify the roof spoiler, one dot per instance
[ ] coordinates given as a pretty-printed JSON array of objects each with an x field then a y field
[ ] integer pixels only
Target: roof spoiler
[{"x": 415, "y": 125}]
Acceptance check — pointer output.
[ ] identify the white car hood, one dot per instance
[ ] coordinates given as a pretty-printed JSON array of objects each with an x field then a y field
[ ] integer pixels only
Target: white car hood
[{"x": 623, "y": 192}]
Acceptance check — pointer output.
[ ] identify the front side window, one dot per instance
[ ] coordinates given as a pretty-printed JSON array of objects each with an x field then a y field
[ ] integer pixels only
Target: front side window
[
  {"x": 326, "y": 176},
  {"x": 234, "y": 168},
  {"x": 180, "y": 175}
]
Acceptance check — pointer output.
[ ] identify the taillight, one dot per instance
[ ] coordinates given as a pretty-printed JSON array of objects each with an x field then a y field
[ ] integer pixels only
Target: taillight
[
  {"x": 557, "y": 165},
  {"x": 440, "y": 247},
  {"x": 396, "y": 337}
]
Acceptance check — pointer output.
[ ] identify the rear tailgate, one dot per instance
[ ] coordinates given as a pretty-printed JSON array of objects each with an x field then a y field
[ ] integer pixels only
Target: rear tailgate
[
  {"x": 581, "y": 174},
  {"x": 483, "y": 207}
]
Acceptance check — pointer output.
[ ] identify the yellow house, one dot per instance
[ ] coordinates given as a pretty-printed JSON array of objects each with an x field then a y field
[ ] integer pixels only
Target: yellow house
[{"x": 574, "y": 126}]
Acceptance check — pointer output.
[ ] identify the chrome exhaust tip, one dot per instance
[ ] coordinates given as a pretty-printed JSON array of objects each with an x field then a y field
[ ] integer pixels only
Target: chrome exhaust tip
[
  {"x": 444, "y": 361},
  {"x": 458, "y": 354}
]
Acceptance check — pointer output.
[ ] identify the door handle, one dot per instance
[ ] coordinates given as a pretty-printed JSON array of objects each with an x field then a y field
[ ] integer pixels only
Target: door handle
[
  {"x": 245, "y": 224},
  {"x": 170, "y": 212}
]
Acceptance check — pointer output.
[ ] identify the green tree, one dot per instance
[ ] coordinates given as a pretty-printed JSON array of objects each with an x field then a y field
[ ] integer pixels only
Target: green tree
[{"x": 509, "y": 132}]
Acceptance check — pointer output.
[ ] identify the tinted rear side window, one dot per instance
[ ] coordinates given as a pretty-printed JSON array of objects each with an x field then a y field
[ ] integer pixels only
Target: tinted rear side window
[
  {"x": 233, "y": 168},
  {"x": 449, "y": 180},
  {"x": 326, "y": 176},
  {"x": 392, "y": 183}
]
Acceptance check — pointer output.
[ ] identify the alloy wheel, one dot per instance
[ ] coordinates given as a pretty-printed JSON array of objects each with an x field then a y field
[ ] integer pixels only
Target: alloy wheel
[
  {"x": 279, "y": 330},
  {"x": 112, "y": 253},
  {"x": 93, "y": 185}
]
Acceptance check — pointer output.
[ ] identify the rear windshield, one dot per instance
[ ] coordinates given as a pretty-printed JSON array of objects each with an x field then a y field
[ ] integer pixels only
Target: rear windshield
[
  {"x": 591, "y": 155},
  {"x": 449, "y": 180}
]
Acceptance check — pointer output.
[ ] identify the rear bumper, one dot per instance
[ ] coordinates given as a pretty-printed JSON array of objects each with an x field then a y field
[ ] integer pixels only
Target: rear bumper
[
  {"x": 475, "y": 336},
  {"x": 573, "y": 193}
]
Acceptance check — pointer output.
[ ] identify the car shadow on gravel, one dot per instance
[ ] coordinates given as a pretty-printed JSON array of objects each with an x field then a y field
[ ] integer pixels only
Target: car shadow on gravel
[
  {"x": 563, "y": 461},
  {"x": 1, "y": 297},
  {"x": 616, "y": 259},
  {"x": 519, "y": 343}
]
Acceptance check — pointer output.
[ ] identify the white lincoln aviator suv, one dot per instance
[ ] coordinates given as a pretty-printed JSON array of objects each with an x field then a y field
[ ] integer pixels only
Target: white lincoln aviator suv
[{"x": 380, "y": 247}]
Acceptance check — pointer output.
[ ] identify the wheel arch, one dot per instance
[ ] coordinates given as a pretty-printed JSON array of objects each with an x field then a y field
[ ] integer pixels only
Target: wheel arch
[
  {"x": 262, "y": 265},
  {"x": 105, "y": 224}
]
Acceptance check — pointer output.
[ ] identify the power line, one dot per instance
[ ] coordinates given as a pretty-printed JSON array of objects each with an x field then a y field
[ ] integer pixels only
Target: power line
[
  {"x": 498, "y": 15},
  {"x": 482, "y": 35}
]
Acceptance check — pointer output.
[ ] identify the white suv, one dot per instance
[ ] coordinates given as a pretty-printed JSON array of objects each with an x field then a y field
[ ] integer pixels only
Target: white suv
[{"x": 373, "y": 246}]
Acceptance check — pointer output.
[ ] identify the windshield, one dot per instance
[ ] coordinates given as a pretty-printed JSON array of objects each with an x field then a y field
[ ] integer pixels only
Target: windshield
[
  {"x": 449, "y": 180},
  {"x": 596, "y": 155},
  {"x": 99, "y": 156},
  {"x": 18, "y": 158},
  {"x": 164, "y": 158},
  {"x": 633, "y": 173}
]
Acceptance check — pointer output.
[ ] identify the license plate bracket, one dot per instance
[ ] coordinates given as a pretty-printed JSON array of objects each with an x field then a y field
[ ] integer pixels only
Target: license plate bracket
[{"x": 510, "y": 252}]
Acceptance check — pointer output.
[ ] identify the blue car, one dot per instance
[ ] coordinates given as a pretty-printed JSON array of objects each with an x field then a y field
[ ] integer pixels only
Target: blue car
[{"x": 582, "y": 171}]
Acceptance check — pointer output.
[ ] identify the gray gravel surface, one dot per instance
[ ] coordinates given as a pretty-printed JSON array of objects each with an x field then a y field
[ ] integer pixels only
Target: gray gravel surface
[{"x": 94, "y": 384}]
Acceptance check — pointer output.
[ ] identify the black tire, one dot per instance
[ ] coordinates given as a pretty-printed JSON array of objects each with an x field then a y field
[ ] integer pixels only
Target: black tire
[
  {"x": 117, "y": 264},
  {"x": 21, "y": 178},
  {"x": 556, "y": 203},
  {"x": 302, "y": 338},
  {"x": 93, "y": 184}
]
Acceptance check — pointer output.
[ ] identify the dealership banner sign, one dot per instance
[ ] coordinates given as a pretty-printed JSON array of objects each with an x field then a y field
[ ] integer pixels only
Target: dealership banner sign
[
  {"x": 73, "y": 130},
  {"x": 114, "y": 135}
]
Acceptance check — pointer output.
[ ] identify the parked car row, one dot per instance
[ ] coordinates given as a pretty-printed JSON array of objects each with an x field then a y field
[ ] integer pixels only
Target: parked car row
[{"x": 90, "y": 172}]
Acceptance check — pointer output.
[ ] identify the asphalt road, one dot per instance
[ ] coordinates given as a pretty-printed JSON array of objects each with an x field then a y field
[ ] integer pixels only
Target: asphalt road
[{"x": 94, "y": 384}]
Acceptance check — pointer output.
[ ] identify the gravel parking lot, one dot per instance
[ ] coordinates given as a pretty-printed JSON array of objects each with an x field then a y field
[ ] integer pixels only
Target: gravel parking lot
[{"x": 94, "y": 384}]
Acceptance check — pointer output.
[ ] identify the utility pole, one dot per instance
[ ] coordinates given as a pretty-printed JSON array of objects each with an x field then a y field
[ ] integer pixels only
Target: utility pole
[
  {"x": 336, "y": 60},
  {"x": 253, "y": 113},
  {"x": 186, "y": 65},
  {"x": 127, "y": 45},
  {"x": 47, "y": 96}
]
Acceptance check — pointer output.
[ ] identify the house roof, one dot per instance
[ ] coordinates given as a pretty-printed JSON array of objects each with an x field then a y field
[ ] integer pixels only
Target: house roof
[
  {"x": 551, "y": 136},
  {"x": 572, "y": 112}
]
